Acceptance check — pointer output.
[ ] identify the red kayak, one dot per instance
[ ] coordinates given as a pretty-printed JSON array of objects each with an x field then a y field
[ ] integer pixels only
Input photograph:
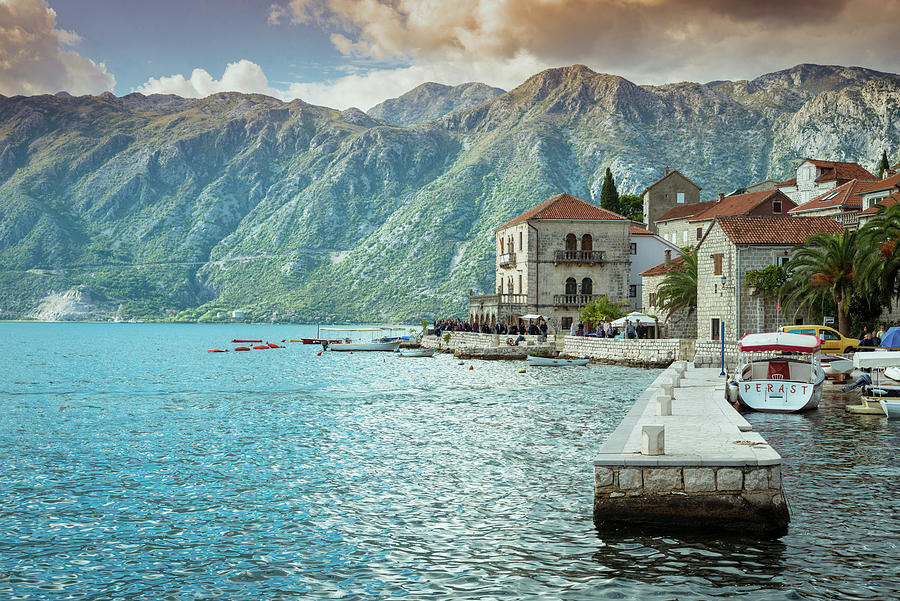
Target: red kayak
[
  {"x": 242, "y": 348},
  {"x": 260, "y": 346},
  {"x": 273, "y": 345},
  {"x": 238, "y": 340},
  {"x": 217, "y": 350}
]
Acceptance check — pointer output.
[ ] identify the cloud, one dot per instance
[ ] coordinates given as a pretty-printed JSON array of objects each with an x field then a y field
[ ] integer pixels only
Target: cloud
[
  {"x": 649, "y": 41},
  {"x": 32, "y": 57},
  {"x": 240, "y": 76}
]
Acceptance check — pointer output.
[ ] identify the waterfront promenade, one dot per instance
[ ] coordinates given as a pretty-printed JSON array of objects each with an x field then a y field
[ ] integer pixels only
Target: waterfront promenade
[{"x": 683, "y": 457}]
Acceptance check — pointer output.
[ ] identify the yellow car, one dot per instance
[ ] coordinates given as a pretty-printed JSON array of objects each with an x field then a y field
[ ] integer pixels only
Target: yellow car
[{"x": 832, "y": 340}]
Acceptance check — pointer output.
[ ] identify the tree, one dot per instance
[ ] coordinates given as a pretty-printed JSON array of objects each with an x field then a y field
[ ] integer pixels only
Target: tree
[
  {"x": 879, "y": 265},
  {"x": 883, "y": 164},
  {"x": 632, "y": 206},
  {"x": 824, "y": 265},
  {"x": 609, "y": 196},
  {"x": 678, "y": 290},
  {"x": 602, "y": 308}
]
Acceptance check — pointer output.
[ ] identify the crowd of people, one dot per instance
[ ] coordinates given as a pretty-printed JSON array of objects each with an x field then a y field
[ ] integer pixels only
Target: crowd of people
[{"x": 604, "y": 329}]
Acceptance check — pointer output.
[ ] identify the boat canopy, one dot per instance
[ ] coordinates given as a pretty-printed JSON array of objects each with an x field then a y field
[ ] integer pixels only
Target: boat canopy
[
  {"x": 876, "y": 359},
  {"x": 779, "y": 341}
]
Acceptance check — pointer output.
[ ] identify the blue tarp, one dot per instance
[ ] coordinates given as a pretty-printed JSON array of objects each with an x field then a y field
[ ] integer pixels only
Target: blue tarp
[{"x": 891, "y": 338}]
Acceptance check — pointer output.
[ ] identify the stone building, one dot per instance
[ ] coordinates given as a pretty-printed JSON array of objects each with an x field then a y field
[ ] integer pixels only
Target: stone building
[
  {"x": 681, "y": 324},
  {"x": 687, "y": 225},
  {"x": 846, "y": 202},
  {"x": 815, "y": 177},
  {"x": 732, "y": 247},
  {"x": 669, "y": 191},
  {"x": 559, "y": 256}
]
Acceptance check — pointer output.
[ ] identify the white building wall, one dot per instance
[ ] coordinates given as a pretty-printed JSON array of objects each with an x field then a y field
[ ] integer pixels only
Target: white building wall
[{"x": 650, "y": 251}]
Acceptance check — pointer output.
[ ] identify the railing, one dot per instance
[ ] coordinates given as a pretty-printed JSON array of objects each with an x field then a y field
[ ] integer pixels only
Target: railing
[
  {"x": 507, "y": 260},
  {"x": 849, "y": 220},
  {"x": 579, "y": 256},
  {"x": 573, "y": 300},
  {"x": 499, "y": 299}
]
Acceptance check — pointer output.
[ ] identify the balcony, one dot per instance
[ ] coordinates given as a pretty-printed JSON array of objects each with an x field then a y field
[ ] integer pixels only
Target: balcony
[
  {"x": 507, "y": 260},
  {"x": 579, "y": 256},
  {"x": 573, "y": 300}
]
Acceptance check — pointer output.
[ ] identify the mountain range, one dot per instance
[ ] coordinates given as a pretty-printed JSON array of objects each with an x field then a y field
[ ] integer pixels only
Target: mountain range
[{"x": 188, "y": 208}]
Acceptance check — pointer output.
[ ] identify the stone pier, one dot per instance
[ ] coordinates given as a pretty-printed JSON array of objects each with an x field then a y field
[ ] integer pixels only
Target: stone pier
[{"x": 684, "y": 458}]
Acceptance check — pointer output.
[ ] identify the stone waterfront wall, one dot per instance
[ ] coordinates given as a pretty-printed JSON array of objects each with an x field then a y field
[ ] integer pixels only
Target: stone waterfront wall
[
  {"x": 490, "y": 346},
  {"x": 644, "y": 353},
  {"x": 739, "y": 494}
]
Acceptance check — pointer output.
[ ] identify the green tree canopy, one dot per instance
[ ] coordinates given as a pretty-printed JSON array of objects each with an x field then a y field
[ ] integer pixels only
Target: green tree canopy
[
  {"x": 609, "y": 196},
  {"x": 602, "y": 308},
  {"x": 632, "y": 206},
  {"x": 678, "y": 290},
  {"x": 883, "y": 164},
  {"x": 824, "y": 265}
]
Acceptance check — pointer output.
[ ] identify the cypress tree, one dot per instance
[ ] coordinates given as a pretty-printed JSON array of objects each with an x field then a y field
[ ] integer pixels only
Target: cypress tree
[
  {"x": 609, "y": 196},
  {"x": 883, "y": 164}
]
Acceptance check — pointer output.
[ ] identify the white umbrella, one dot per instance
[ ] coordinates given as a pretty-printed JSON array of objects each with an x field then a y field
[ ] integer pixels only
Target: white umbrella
[{"x": 634, "y": 316}]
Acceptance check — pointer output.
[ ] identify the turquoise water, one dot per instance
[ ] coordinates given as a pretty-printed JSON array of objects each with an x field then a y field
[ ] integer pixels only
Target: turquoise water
[{"x": 139, "y": 466}]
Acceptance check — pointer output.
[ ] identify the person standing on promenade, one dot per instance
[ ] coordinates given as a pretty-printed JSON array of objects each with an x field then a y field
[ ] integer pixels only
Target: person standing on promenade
[
  {"x": 543, "y": 329},
  {"x": 641, "y": 330},
  {"x": 629, "y": 330}
]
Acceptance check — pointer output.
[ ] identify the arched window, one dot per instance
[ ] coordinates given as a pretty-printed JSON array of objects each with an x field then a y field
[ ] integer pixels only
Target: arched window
[
  {"x": 587, "y": 286},
  {"x": 571, "y": 242},
  {"x": 587, "y": 242},
  {"x": 571, "y": 286}
]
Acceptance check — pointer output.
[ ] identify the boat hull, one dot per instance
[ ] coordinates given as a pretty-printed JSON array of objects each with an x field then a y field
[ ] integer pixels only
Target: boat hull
[
  {"x": 412, "y": 353},
  {"x": 364, "y": 346},
  {"x": 316, "y": 341},
  {"x": 779, "y": 396},
  {"x": 891, "y": 408},
  {"x": 554, "y": 362}
]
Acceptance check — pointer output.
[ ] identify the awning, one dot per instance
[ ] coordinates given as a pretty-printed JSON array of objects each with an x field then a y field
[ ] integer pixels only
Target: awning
[
  {"x": 876, "y": 359},
  {"x": 531, "y": 316},
  {"x": 779, "y": 341},
  {"x": 635, "y": 316}
]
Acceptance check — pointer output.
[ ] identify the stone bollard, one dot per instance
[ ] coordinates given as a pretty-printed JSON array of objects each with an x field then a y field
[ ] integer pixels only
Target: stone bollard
[
  {"x": 653, "y": 440},
  {"x": 666, "y": 388},
  {"x": 676, "y": 379},
  {"x": 663, "y": 404}
]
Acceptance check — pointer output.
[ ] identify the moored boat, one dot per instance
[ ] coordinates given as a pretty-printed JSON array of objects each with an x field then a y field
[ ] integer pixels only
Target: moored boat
[
  {"x": 891, "y": 407},
  {"x": 348, "y": 344},
  {"x": 878, "y": 396},
  {"x": 417, "y": 352},
  {"x": 537, "y": 361},
  {"x": 786, "y": 376}
]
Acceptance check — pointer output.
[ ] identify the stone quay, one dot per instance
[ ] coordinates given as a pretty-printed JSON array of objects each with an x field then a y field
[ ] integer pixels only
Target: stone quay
[{"x": 683, "y": 458}]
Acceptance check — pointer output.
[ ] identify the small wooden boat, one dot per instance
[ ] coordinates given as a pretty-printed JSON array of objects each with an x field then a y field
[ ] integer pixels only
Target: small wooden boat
[
  {"x": 536, "y": 361},
  {"x": 776, "y": 382},
  {"x": 417, "y": 352},
  {"x": 360, "y": 345},
  {"x": 319, "y": 340},
  {"x": 877, "y": 397},
  {"x": 835, "y": 365},
  {"x": 867, "y": 406}
]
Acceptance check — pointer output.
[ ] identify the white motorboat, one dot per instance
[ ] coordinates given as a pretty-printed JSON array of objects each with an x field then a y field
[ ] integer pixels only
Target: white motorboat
[
  {"x": 878, "y": 396},
  {"x": 891, "y": 407},
  {"x": 784, "y": 374},
  {"x": 536, "y": 361},
  {"x": 351, "y": 344},
  {"x": 417, "y": 352},
  {"x": 835, "y": 365}
]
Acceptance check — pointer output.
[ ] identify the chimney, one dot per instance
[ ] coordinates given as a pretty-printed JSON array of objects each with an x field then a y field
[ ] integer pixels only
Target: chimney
[
  {"x": 668, "y": 256},
  {"x": 721, "y": 197},
  {"x": 667, "y": 170}
]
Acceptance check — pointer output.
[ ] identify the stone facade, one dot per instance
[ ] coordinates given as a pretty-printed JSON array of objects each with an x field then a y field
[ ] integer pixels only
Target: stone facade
[
  {"x": 670, "y": 190},
  {"x": 654, "y": 352}
]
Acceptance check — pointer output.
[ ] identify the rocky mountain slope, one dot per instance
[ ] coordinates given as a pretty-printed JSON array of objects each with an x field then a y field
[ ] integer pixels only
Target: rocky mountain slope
[
  {"x": 163, "y": 205},
  {"x": 431, "y": 101}
]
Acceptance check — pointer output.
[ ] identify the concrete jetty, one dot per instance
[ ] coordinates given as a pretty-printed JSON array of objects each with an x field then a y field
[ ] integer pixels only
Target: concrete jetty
[{"x": 683, "y": 457}]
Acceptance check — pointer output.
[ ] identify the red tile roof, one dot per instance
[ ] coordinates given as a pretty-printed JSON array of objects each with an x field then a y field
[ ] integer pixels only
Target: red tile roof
[
  {"x": 663, "y": 268},
  {"x": 841, "y": 171},
  {"x": 884, "y": 184},
  {"x": 739, "y": 204},
  {"x": 884, "y": 202},
  {"x": 568, "y": 207},
  {"x": 786, "y": 231},
  {"x": 844, "y": 196},
  {"x": 787, "y": 182},
  {"x": 684, "y": 210},
  {"x": 639, "y": 231}
]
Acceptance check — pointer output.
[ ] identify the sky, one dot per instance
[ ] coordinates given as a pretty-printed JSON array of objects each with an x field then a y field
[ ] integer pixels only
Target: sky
[{"x": 343, "y": 53}]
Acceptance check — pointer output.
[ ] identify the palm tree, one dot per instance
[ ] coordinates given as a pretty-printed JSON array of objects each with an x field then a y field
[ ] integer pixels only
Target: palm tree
[
  {"x": 879, "y": 264},
  {"x": 678, "y": 289},
  {"x": 824, "y": 265}
]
